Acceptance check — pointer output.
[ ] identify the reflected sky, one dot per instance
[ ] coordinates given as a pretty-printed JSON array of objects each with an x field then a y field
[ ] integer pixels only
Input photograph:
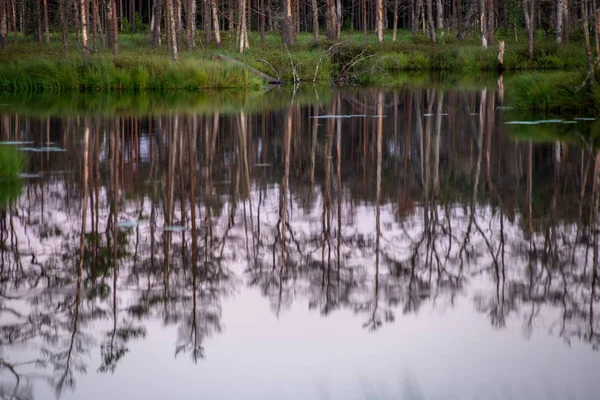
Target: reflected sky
[{"x": 349, "y": 245}]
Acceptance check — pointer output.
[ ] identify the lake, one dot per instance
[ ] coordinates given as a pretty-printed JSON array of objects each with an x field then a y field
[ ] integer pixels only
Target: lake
[{"x": 330, "y": 243}]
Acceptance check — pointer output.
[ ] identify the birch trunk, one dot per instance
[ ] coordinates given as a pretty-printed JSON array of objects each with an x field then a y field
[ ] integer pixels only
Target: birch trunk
[
  {"x": 559, "y": 21},
  {"x": 83, "y": 4},
  {"x": 215, "y": 15}
]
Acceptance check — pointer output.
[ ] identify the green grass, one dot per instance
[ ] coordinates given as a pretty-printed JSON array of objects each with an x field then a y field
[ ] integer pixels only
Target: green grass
[
  {"x": 11, "y": 161},
  {"x": 31, "y": 67}
]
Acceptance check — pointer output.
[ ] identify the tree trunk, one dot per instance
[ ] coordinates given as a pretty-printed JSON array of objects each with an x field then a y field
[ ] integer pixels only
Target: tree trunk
[
  {"x": 315, "y": 19},
  {"x": 490, "y": 22},
  {"x": 206, "y": 20},
  {"x": 178, "y": 23},
  {"x": 288, "y": 30},
  {"x": 395, "y": 27},
  {"x": 38, "y": 21},
  {"x": 586, "y": 36},
  {"x": 559, "y": 21},
  {"x": 114, "y": 27},
  {"x": 596, "y": 39},
  {"x": 3, "y": 25},
  {"x": 157, "y": 17},
  {"x": 530, "y": 25},
  {"x": 416, "y": 16},
  {"x": 46, "y": 28},
  {"x": 83, "y": 14},
  {"x": 215, "y": 15},
  {"x": 364, "y": 20},
  {"x": 379, "y": 21},
  {"x": 483, "y": 23},
  {"x": 439, "y": 14},
  {"x": 190, "y": 23},
  {"x": 430, "y": 21},
  {"x": 565, "y": 25},
  {"x": 172, "y": 31},
  {"x": 62, "y": 5},
  {"x": 338, "y": 19},
  {"x": 242, "y": 39},
  {"x": 331, "y": 20},
  {"x": 262, "y": 22}
]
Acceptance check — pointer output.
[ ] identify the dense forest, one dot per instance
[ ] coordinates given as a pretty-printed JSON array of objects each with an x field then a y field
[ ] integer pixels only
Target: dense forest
[{"x": 177, "y": 24}]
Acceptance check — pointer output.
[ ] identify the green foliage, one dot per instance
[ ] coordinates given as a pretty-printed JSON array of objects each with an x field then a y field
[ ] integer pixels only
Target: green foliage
[{"x": 30, "y": 67}]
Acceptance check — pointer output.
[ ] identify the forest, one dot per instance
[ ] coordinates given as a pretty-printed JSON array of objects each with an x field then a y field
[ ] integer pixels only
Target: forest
[{"x": 183, "y": 25}]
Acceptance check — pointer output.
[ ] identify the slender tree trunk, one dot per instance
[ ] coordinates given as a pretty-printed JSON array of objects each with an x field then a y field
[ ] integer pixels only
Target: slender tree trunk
[
  {"x": 38, "y": 21},
  {"x": 83, "y": 13},
  {"x": 430, "y": 21},
  {"x": 490, "y": 22},
  {"x": 3, "y": 25},
  {"x": 459, "y": 20},
  {"x": 178, "y": 23},
  {"x": 315, "y": 19},
  {"x": 242, "y": 40},
  {"x": 586, "y": 36},
  {"x": 206, "y": 20},
  {"x": 364, "y": 20},
  {"x": 62, "y": 6},
  {"x": 565, "y": 25},
  {"x": 157, "y": 18},
  {"x": 531, "y": 31},
  {"x": 395, "y": 28},
  {"x": 483, "y": 23},
  {"x": 379, "y": 21},
  {"x": 338, "y": 19},
  {"x": 262, "y": 20},
  {"x": 288, "y": 30},
  {"x": 190, "y": 23},
  {"x": 439, "y": 20},
  {"x": 416, "y": 16},
  {"x": 172, "y": 30},
  {"x": 113, "y": 21},
  {"x": 559, "y": 21},
  {"x": 215, "y": 15},
  {"x": 46, "y": 28},
  {"x": 331, "y": 18},
  {"x": 596, "y": 39}
]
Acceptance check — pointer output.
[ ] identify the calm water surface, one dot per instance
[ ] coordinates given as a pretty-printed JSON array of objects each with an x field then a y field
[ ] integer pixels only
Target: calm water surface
[{"x": 341, "y": 245}]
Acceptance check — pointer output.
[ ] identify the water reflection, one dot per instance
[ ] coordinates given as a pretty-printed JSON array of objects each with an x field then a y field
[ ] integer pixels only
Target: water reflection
[{"x": 377, "y": 203}]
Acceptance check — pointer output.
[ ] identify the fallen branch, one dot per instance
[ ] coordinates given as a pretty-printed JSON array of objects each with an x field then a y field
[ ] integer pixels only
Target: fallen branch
[
  {"x": 321, "y": 59},
  {"x": 256, "y": 72},
  {"x": 270, "y": 65}
]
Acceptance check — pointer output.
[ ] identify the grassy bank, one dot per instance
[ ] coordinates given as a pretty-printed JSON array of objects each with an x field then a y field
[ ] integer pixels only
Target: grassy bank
[{"x": 31, "y": 67}]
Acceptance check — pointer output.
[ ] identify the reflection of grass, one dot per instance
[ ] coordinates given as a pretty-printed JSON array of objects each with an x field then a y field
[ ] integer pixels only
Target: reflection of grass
[
  {"x": 556, "y": 91},
  {"x": 11, "y": 161},
  {"x": 155, "y": 103},
  {"x": 10, "y": 189}
]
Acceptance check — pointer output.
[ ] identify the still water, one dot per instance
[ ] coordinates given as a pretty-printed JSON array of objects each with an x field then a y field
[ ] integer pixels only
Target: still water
[{"x": 336, "y": 244}]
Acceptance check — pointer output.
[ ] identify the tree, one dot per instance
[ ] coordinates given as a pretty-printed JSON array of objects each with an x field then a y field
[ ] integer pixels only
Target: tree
[
  {"x": 379, "y": 21},
  {"x": 288, "y": 30}
]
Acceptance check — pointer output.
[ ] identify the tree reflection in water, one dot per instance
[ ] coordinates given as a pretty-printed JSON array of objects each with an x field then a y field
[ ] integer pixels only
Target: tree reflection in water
[{"x": 375, "y": 203}]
